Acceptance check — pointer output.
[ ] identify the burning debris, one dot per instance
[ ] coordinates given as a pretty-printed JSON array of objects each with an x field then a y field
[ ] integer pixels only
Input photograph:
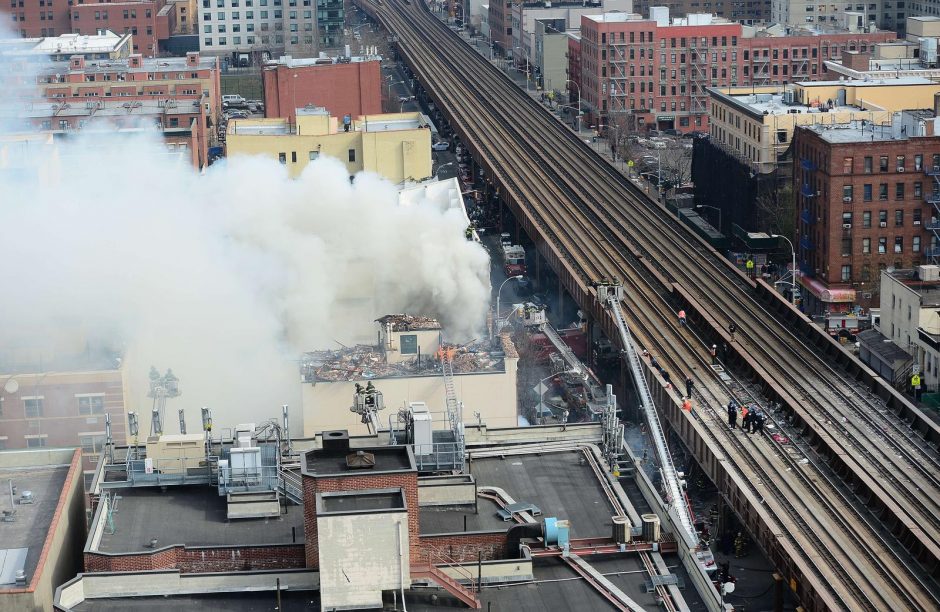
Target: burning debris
[{"x": 404, "y": 322}]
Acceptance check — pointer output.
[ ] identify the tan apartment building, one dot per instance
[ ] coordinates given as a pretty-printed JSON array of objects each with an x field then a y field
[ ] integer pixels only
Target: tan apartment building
[
  {"x": 396, "y": 146},
  {"x": 756, "y": 123}
]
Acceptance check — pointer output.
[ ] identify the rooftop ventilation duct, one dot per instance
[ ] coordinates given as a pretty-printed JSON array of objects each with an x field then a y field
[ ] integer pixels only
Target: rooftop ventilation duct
[{"x": 360, "y": 460}]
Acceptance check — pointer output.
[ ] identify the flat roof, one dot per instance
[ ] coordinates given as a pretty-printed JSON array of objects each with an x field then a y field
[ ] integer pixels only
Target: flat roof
[
  {"x": 556, "y": 483},
  {"x": 33, "y": 521},
  {"x": 327, "y": 462},
  {"x": 897, "y": 81},
  {"x": 450, "y": 519},
  {"x": 241, "y": 601},
  {"x": 64, "y": 44},
  {"x": 368, "y": 501},
  {"x": 192, "y": 516},
  {"x": 773, "y": 104}
]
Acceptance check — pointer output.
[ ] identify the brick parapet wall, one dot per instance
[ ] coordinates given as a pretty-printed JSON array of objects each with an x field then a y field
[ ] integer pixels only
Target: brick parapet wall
[
  {"x": 462, "y": 547},
  {"x": 201, "y": 560}
]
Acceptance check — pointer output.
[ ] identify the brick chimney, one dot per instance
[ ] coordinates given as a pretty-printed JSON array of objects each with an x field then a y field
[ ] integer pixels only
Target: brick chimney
[
  {"x": 135, "y": 60},
  {"x": 77, "y": 62},
  {"x": 192, "y": 59}
]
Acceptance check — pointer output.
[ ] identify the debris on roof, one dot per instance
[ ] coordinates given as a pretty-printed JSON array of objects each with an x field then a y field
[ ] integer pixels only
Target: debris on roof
[{"x": 404, "y": 322}]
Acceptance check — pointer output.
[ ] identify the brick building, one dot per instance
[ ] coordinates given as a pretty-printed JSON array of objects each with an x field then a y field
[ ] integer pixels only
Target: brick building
[
  {"x": 862, "y": 209},
  {"x": 654, "y": 74},
  {"x": 343, "y": 88},
  {"x": 32, "y": 18},
  {"x": 747, "y": 12},
  {"x": 149, "y": 21},
  {"x": 132, "y": 79}
]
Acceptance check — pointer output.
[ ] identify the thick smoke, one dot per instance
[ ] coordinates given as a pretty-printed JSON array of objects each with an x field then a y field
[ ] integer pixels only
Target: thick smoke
[{"x": 225, "y": 277}]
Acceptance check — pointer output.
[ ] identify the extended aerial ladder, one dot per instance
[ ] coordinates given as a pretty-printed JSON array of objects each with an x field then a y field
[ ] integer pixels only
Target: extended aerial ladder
[{"x": 610, "y": 295}]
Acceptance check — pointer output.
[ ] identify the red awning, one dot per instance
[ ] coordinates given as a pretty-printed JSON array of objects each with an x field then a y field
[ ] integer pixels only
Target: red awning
[{"x": 824, "y": 293}]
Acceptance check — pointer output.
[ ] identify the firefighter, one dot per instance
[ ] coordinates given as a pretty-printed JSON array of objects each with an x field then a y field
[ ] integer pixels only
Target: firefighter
[
  {"x": 714, "y": 351},
  {"x": 689, "y": 384},
  {"x": 740, "y": 545},
  {"x": 666, "y": 378},
  {"x": 731, "y": 329},
  {"x": 732, "y": 415}
]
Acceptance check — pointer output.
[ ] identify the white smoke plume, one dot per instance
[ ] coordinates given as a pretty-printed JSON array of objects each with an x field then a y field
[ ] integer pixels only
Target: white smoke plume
[{"x": 225, "y": 277}]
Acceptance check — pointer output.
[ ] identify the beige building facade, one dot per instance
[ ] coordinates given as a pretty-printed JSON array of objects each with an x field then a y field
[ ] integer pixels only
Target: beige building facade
[
  {"x": 757, "y": 123},
  {"x": 396, "y": 146}
]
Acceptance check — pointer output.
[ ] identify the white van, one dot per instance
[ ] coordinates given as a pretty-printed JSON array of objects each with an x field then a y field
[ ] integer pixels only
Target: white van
[{"x": 232, "y": 101}]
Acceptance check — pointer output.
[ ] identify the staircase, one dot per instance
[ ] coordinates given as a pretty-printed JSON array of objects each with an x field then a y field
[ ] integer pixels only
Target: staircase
[
  {"x": 290, "y": 486},
  {"x": 431, "y": 572}
]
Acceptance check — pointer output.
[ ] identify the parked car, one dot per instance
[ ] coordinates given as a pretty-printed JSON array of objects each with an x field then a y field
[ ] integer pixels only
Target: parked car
[
  {"x": 440, "y": 145},
  {"x": 234, "y": 101}
]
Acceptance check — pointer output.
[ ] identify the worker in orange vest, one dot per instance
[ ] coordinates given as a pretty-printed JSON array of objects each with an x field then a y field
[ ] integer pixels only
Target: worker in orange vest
[
  {"x": 687, "y": 405},
  {"x": 744, "y": 411},
  {"x": 682, "y": 318}
]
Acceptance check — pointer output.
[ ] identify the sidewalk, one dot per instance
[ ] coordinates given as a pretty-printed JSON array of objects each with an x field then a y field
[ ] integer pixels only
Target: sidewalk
[{"x": 600, "y": 145}]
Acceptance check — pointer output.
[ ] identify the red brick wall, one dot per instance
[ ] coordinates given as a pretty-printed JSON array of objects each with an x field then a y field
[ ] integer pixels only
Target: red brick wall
[
  {"x": 33, "y": 20},
  {"x": 201, "y": 560},
  {"x": 84, "y": 22},
  {"x": 354, "y": 89},
  {"x": 406, "y": 481},
  {"x": 462, "y": 547}
]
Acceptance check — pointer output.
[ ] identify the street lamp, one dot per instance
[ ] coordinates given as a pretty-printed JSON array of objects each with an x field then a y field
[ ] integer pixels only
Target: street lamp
[
  {"x": 579, "y": 103},
  {"x": 439, "y": 168},
  {"x": 793, "y": 270},
  {"x": 517, "y": 277},
  {"x": 713, "y": 208},
  {"x": 390, "y": 84},
  {"x": 403, "y": 101}
]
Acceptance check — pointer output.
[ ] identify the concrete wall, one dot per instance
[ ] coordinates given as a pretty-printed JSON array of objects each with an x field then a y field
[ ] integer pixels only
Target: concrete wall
[
  {"x": 447, "y": 490},
  {"x": 888, "y": 96},
  {"x": 359, "y": 557},
  {"x": 326, "y": 404},
  {"x": 61, "y": 552}
]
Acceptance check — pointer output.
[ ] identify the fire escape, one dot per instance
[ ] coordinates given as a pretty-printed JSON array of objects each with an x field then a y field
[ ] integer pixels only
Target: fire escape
[
  {"x": 617, "y": 62},
  {"x": 699, "y": 69},
  {"x": 807, "y": 215},
  {"x": 933, "y": 198},
  {"x": 760, "y": 67}
]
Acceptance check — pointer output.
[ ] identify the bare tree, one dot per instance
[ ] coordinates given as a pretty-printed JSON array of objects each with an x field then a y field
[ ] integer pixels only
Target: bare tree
[
  {"x": 774, "y": 209},
  {"x": 676, "y": 163}
]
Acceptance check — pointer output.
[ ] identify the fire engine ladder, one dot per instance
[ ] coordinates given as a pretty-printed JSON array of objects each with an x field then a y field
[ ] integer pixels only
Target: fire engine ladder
[
  {"x": 612, "y": 294},
  {"x": 454, "y": 416},
  {"x": 574, "y": 364}
]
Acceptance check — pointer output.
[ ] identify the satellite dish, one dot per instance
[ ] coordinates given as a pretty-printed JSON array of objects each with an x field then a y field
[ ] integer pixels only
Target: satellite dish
[
  {"x": 727, "y": 588},
  {"x": 12, "y": 386}
]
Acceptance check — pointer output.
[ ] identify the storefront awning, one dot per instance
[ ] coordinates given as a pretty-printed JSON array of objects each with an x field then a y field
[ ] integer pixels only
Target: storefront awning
[{"x": 824, "y": 293}]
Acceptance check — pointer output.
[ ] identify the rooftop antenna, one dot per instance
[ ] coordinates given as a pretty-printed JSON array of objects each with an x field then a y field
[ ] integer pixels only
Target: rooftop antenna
[
  {"x": 286, "y": 418},
  {"x": 182, "y": 421},
  {"x": 156, "y": 426}
]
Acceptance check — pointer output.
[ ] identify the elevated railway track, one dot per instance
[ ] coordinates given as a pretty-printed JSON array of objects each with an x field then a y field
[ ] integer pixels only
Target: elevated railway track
[{"x": 873, "y": 542}]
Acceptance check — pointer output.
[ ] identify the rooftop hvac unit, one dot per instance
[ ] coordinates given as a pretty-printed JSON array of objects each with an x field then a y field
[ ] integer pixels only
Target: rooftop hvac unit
[
  {"x": 621, "y": 533},
  {"x": 423, "y": 428},
  {"x": 928, "y": 273},
  {"x": 26, "y": 497},
  {"x": 789, "y": 96},
  {"x": 651, "y": 528}
]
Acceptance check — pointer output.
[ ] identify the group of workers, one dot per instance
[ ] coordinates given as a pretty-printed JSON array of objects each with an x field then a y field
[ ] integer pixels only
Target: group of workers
[{"x": 752, "y": 418}]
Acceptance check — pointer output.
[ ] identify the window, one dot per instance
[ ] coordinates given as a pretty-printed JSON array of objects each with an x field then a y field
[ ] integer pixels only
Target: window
[
  {"x": 35, "y": 442},
  {"x": 847, "y": 193},
  {"x": 918, "y": 163},
  {"x": 847, "y": 218},
  {"x": 847, "y": 165},
  {"x": 883, "y": 163},
  {"x": 868, "y": 165},
  {"x": 898, "y": 218},
  {"x": 866, "y": 246},
  {"x": 918, "y": 189},
  {"x": 352, "y": 155},
  {"x": 409, "y": 344},
  {"x": 900, "y": 163},
  {"x": 91, "y": 404},
  {"x": 846, "y": 273},
  {"x": 282, "y": 157},
  {"x": 916, "y": 214},
  {"x": 293, "y": 157},
  {"x": 899, "y": 191},
  {"x": 915, "y": 244},
  {"x": 898, "y": 244},
  {"x": 883, "y": 191},
  {"x": 866, "y": 192},
  {"x": 846, "y": 247},
  {"x": 32, "y": 407},
  {"x": 883, "y": 218},
  {"x": 882, "y": 246},
  {"x": 92, "y": 443},
  {"x": 314, "y": 155}
]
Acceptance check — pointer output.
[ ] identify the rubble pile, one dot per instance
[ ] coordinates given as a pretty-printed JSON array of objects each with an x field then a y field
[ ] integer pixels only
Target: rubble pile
[{"x": 404, "y": 322}]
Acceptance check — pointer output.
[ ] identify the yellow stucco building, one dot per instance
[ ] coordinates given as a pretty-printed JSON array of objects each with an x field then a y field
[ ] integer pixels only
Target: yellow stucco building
[
  {"x": 397, "y": 146},
  {"x": 757, "y": 123}
]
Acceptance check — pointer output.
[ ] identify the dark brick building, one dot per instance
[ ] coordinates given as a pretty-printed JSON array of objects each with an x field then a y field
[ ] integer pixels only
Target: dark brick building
[{"x": 866, "y": 198}]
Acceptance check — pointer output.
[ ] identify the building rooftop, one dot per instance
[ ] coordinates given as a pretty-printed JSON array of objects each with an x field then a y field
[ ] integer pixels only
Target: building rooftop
[
  {"x": 903, "y": 126},
  {"x": 323, "y": 60},
  {"x": 99, "y": 108},
  {"x": 894, "y": 82},
  {"x": 65, "y": 44},
  {"x": 192, "y": 516},
  {"x": 774, "y": 104},
  {"x": 32, "y": 521},
  {"x": 156, "y": 65},
  {"x": 929, "y": 290},
  {"x": 332, "y": 462},
  {"x": 404, "y": 322},
  {"x": 368, "y": 362}
]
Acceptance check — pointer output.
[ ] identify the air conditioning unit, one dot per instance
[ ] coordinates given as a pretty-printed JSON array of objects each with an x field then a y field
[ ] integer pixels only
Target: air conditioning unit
[
  {"x": 883, "y": 224},
  {"x": 916, "y": 222},
  {"x": 846, "y": 226},
  {"x": 901, "y": 169},
  {"x": 936, "y": 168},
  {"x": 847, "y": 199}
]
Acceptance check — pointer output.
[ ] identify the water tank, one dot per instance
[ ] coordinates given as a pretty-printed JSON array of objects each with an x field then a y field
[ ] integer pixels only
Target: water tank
[
  {"x": 651, "y": 530},
  {"x": 621, "y": 533}
]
